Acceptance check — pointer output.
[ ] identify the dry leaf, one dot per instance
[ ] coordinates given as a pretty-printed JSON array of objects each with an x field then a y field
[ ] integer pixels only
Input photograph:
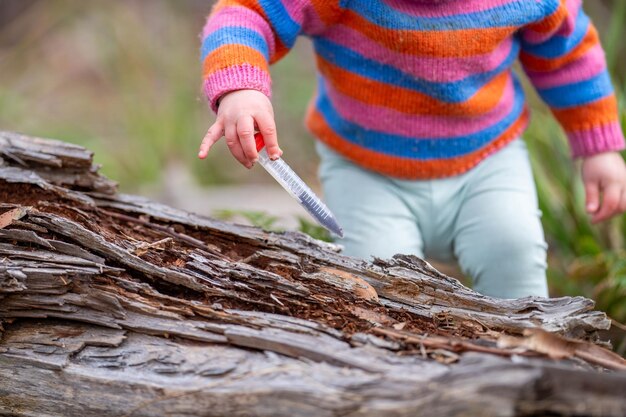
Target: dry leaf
[
  {"x": 10, "y": 216},
  {"x": 371, "y": 315},
  {"x": 443, "y": 356},
  {"x": 399, "y": 326},
  {"x": 360, "y": 288},
  {"x": 559, "y": 347},
  {"x": 553, "y": 345}
]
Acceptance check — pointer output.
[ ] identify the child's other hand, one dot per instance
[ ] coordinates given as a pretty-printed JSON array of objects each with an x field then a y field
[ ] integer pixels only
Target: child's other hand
[
  {"x": 604, "y": 175},
  {"x": 239, "y": 115}
]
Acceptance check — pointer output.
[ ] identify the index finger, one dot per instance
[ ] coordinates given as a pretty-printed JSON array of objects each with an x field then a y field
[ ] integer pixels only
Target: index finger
[{"x": 214, "y": 133}]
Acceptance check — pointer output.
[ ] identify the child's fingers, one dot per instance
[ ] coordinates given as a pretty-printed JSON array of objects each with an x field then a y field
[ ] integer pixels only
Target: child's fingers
[
  {"x": 232, "y": 140},
  {"x": 267, "y": 127},
  {"x": 245, "y": 130},
  {"x": 592, "y": 196},
  {"x": 214, "y": 133},
  {"x": 611, "y": 196}
]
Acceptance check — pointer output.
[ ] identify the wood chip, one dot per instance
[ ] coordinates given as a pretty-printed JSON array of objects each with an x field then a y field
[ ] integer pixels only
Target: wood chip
[{"x": 8, "y": 217}]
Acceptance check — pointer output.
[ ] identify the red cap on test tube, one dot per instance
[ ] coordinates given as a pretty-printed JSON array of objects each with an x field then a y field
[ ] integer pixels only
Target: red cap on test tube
[{"x": 258, "y": 138}]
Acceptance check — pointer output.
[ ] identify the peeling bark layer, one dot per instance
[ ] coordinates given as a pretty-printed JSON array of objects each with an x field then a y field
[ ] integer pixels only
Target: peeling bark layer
[{"x": 111, "y": 304}]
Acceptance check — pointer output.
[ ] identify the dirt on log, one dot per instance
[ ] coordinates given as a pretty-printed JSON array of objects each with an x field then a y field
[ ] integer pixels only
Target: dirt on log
[{"x": 114, "y": 305}]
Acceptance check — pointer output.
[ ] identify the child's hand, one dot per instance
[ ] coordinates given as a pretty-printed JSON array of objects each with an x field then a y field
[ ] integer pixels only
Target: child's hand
[
  {"x": 239, "y": 115},
  {"x": 604, "y": 174}
]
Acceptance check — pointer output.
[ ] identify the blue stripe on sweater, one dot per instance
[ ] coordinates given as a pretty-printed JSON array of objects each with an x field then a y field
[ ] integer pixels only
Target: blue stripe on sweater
[
  {"x": 285, "y": 27},
  {"x": 515, "y": 13},
  {"x": 578, "y": 94},
  {"x": 234, "y": 35},
  {"x": 416, "y": 148},
  {"x": 558, "y": 45},
  {"x": 450, "y": 92}
]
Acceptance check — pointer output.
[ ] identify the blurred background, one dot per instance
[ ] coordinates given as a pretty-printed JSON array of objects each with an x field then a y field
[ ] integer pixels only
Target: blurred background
[{"x": 123, "y": 79}]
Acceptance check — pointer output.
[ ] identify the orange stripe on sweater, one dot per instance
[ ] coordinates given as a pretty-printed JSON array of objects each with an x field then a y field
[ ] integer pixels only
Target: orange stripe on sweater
[
  {"x": 227, "y": 3},
  {"x": 233, "y": 54},
  {"x": 407, "y": 168},
  {"x": 326, "y": 12},
  {"x": 535, "y": 63},
  {"x": 453, "y": 43},
  {"x": 600, "y": 112},
  {"x": 552, "y": 22},
  {"x": 412, "y": 102}
]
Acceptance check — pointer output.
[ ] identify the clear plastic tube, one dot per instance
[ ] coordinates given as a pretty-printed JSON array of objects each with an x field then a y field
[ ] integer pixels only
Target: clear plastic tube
[{"x": 291, "y": 182}]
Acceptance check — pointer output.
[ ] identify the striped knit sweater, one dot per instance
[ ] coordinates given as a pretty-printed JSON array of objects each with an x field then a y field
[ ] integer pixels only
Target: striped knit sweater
[{"x": 422, "y": 88}]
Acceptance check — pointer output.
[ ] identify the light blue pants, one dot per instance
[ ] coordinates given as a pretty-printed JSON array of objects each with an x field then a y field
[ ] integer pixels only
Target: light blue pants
[{"x": 487, "y": 219}]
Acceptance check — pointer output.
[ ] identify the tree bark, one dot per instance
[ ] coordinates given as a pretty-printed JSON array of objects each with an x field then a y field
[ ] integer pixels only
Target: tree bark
[{"x": 112, "y": 304}]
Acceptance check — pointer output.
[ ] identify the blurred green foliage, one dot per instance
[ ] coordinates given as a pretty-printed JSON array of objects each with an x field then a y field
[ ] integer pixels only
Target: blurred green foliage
[
  {"x": 256, "y": 218},
  {"x": 314, "y": 230},
  {"x": 584, "y": 259},
  {"x": 268, "y": 222},
  {"x": 122, "y": 78}
]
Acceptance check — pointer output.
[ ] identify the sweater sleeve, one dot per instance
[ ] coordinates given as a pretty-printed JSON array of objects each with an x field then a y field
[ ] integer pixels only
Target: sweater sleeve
[
  {"x": 565, "y": 62},
  {"x": 243, "y": 37}
]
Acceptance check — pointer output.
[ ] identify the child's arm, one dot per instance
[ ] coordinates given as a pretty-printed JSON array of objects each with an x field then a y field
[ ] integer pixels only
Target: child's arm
[
  {"x": 240, "y": 40},
  {"x": 564, "y": 60}
]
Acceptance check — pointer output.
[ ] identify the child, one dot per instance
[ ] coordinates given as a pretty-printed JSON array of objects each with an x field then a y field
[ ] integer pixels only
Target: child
[{"x": 419, "y": 115}]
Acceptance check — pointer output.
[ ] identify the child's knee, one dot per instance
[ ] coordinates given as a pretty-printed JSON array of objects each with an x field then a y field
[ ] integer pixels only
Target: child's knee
[
  {"x": 504, "y": 236},
  {"x": 516, "y": 246},
  {"x": 509, "y": 262}
]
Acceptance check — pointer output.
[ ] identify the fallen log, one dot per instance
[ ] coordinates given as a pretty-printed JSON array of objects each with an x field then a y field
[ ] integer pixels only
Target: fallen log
[{"x": 112, "y": 304}]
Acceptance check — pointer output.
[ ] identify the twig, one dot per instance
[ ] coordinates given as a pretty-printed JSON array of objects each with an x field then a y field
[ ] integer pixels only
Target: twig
[
  {"x": 439, "y": 342},
  {"x": 273, "y": 297},
  {"x": 196, "y": 243},
  {"x": 618, "y": 324},
  {"x": 144, "y": 246}
]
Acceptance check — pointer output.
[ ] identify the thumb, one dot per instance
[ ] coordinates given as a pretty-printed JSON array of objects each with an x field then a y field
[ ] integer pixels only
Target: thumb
[{"x": 592, "y": 194}]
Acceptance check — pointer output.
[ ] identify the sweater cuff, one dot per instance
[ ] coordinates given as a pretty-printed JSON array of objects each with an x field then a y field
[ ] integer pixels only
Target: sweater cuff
[
  {"x": 599, "y": 139},
  {"x": 237, "y": 77}
]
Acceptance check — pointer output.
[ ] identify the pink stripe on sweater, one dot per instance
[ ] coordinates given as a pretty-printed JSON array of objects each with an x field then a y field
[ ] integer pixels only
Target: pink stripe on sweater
[
  {"x": 584, "y": 68},
  {"x": 294, "y": 8},
  {"x": 427, "y": 68},
  {"x": 384, "y": 119},
  {"x": 431, "y": 8},
  {"x": 598, "y": 139},
  {"x": 303, "y": 12},
  {"x": 240, "y": 16},
  {"x": 233, "y": 78},
  {"x": 574, "y": 7}
]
